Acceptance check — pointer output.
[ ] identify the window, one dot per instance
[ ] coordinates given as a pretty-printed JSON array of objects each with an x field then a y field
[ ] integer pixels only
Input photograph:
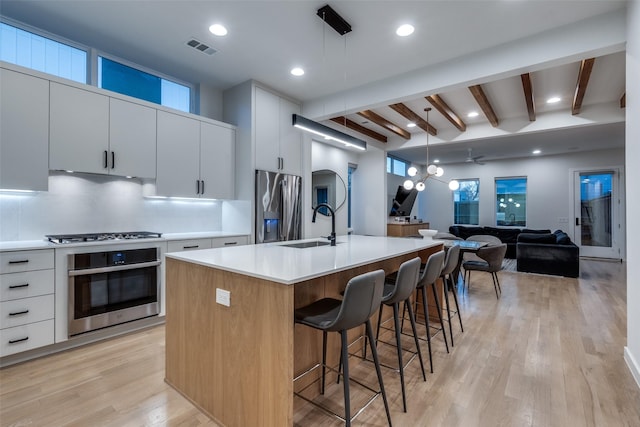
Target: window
[
  {"x": 39, "y": 53},
  {"x": 397, "y": 166},
  {"x": 130, "y": 81},
  {"x": 511, "y": 201},
  {"x": 466, "y": 202}
]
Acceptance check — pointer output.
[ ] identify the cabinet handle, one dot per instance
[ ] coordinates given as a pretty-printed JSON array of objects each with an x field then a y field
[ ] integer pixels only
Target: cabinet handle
[
  {"x": 230, "y": 243},
  {"x": 106, "y": 164},
  {"x": 18, "y": 313},
  {"x": 22, "y": 261},
  {"x": 191, "y": 247},
  {"x": 202, "y": 188},
  {"x": 197, "y": 186},
  {"x": 24, "y": 285},
  {"x": 18, "y": 340},
  {"x": 113, "y": 160}
]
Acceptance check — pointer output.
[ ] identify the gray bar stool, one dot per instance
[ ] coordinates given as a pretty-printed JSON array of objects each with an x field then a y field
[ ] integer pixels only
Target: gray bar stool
[
  {"x": 428, "y": 277},
  {"x": 394, "y": 293},
  {"x": 362, "y": 297},
  {"x": 449, "y": 283}
]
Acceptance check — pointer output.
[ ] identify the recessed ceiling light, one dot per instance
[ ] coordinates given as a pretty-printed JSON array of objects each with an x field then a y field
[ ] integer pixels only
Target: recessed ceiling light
[
  {"x": 218, "y": 30},
  {"x": 436, "y": 160},
  {"x": 411, "y": 125},
  {"x": 405, "y": 30},
  {"x": 473, "y": 114},
  {"x": 536, "y": 151},
  {"x": 297, "y": 71},
  {"x": 553, "y": 100}
]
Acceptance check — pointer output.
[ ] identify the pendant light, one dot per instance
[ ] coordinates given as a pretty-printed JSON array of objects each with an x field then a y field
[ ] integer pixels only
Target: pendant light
[{"x": 432, "y": 171}]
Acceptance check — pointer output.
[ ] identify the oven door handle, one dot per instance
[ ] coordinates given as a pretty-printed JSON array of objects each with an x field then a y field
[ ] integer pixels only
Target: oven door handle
[{"x": 113, "y": 268}]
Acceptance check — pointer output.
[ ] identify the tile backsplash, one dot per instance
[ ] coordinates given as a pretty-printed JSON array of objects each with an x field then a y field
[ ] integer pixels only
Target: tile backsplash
[{"x": 84, "y": 203}]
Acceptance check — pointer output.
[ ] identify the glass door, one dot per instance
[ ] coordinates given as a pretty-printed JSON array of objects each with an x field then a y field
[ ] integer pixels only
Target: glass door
[{"x": 596, "y": 208}]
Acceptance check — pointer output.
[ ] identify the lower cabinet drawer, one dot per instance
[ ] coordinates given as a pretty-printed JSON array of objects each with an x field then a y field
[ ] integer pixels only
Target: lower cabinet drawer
[
  {"x": 26, "y": 284},
  {"x": 26, "y": 310},
  {"x": 16, "y": 261},
  {"x": 26, "y": 337},
  {"x": 220, "y": 242},
  {"x": 188, "y": 245}
]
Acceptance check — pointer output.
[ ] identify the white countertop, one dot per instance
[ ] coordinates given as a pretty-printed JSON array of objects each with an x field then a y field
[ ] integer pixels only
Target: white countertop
[
  {"x": 278, "y": 263},
  {"x": 24, "y": 245}
]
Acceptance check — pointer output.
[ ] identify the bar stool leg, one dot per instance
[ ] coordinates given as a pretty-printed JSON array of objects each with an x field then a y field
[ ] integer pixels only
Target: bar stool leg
[
  {"x": 412, "y": 318},
  {"x": 437, "y": 300},
  {"x": 445, "y": 288},
  {"x": 396, "y": 319},
  {"x": 345, "y": 381},
  {"x": 376, "y": 362},
  {"x": 426, "y": 322},
  {"x": 324, "y": 360},
  {"x": 455, "y": 299}
]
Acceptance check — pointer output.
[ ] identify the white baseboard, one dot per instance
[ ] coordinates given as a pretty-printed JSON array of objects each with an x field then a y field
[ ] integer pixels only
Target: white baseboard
[{"x": 632, "y": 363}]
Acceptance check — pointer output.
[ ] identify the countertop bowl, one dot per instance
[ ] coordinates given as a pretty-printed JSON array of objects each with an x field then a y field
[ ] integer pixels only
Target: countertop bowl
[{"x": 427, "y": 233}]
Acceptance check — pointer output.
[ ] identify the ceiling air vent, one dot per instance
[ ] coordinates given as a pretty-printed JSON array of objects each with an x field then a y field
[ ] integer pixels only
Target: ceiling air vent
[{"x": 198, "y": 45}]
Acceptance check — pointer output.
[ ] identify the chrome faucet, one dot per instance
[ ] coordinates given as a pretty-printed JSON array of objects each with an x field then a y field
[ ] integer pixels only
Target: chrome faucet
[{"x": 332, "y": 237}]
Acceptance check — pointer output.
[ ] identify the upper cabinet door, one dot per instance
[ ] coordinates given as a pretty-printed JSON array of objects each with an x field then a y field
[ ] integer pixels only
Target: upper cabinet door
[
  {"x": 217, "y": 161},
  {"x": 178, "y": 158},
  {"x": 267, "y": 130},
  {"x": 24, "y": 132},
  {"x": 78, "y": 130},
  {"x": 132, "y": 139},
  {"x": 290, "y": 139}
]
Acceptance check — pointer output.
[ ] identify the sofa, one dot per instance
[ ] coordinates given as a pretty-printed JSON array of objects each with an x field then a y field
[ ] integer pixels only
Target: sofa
[
  {"x": 535, "y": 251},
  {"x": 506, "y": 235},
  {"x": 550, "y": 253}
]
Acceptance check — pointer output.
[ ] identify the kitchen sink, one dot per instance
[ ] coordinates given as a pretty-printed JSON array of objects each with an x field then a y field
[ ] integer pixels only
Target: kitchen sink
[{"x": 303, "y": 245}]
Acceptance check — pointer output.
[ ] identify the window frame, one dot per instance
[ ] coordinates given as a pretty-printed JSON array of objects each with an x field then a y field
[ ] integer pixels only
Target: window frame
[
  {"x": 407, "y": 165},
  {"x": 496, "y": 201},
  {"x": 453, "y": 195},
  {"x": 96, "y": 54},
  {"x": 58, "y": 39}
]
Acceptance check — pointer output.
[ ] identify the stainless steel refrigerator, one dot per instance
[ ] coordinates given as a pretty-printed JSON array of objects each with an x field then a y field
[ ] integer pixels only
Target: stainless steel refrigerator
[{"x": 278, "y": 207}]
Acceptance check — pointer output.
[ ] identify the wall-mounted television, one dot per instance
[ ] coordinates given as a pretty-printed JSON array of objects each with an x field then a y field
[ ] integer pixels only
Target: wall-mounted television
[{"x": 402, "y": 204}]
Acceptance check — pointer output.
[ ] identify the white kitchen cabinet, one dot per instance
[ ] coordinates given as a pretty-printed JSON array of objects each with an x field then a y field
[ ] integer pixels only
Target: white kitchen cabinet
[
  {"x": 188, "y": 245},
  {"x": 220, "y": 242},
  {"x": 217, "y": 161},
  {"x": 94, "y": 133},
  {"x": 78, "y": 130},
  {"x": 132, "y": 139},
  {"x": 277, "y": 142},
  {"x": 195, "y": 158},
  {"x": 178, "y": 158},
  {"x": 27, "y": 300},
  {"x": 24, "y": 131}
]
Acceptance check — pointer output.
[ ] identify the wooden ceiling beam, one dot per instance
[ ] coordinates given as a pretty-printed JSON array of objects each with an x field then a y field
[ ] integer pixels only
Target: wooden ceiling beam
[
  {"x": 484, "y": 104},
  {"x": 581, "y": 86},
  {"x": 382, "y": 122},
  {"x": 409, "y": 114},
  {"x": 623, "y": 100},
  {"x": 439, "y": 104},
  {"x": 343, "y": 121},
  {"x": 527, "y": 87}
]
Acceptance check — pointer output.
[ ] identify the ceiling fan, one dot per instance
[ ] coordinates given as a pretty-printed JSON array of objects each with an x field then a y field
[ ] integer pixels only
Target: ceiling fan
[{"x": 473, "y": 159}]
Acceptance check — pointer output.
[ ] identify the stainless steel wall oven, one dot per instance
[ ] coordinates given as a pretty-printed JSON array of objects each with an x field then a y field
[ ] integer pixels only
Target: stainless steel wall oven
[{"x": 112, "y": 287}]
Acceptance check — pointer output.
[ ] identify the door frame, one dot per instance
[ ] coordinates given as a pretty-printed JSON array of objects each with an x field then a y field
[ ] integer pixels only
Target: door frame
[{"x": 618, "y": 226}]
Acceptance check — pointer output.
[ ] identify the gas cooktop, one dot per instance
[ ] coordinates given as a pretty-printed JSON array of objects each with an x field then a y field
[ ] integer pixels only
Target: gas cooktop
[{"x": 100, "y": 237}]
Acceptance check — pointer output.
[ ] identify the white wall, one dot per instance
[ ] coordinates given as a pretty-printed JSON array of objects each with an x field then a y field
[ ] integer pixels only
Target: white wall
[
  {"x": 325, "y": 156},
  {"x": 369, "y": 198},
  {"x": 210, "y": 102},
  {"x": 549, "y": 188},
  {"x": 83, "y": 203},
  {"x": 632, "y": 351}
]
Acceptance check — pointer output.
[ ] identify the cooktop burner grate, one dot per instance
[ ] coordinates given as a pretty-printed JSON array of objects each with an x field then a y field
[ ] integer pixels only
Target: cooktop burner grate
[{"x": 99, "y": 237}]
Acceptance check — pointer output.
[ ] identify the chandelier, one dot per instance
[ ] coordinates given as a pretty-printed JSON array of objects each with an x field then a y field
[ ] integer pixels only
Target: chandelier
[{"x": 433, "y": 172}]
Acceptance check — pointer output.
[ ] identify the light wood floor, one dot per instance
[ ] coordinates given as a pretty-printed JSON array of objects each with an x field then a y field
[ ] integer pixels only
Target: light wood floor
[{"x": 548, "y": 353}]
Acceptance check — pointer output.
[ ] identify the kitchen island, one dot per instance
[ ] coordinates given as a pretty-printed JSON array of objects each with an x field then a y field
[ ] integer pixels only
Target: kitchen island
[{"x": 232, "y": 347}]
